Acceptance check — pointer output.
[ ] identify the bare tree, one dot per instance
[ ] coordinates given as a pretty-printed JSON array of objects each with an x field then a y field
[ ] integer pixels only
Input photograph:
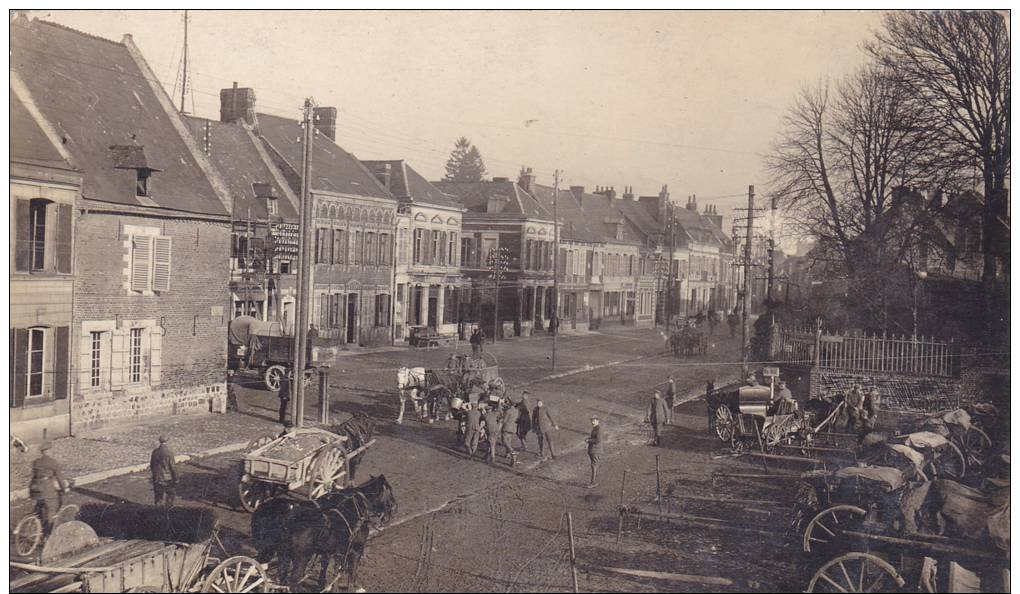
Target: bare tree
[
  {"x": 843, "y": 168},
  {"x": 957, "y": 64}
]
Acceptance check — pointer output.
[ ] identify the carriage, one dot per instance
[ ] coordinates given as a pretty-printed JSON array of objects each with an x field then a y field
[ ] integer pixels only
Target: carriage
[
  {"x": 743, "y": 416},
  {"x": 306, "y": 462},
  {"x": 147, "y": 549},
  {"x": 265, "y": 348},
  {"x": 460, "y": 376}
]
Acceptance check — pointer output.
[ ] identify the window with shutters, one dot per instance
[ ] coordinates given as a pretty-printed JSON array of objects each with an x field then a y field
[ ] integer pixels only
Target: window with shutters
[
  {"x": 419, "y": 239},
  {"x": 339, "y": 246},
  {"x": 357, "y": 247},
  {"x": 150, "y": 263},
  {"x": 36, "y": 361},
  {"x": 135, "y": 356},
  {"x": 385, "y": 249},
  {"x": 42, "y": 236}
]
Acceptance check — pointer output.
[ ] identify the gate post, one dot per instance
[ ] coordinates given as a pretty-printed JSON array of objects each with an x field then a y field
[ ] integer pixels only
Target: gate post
[{"x": 324, "y": 394}]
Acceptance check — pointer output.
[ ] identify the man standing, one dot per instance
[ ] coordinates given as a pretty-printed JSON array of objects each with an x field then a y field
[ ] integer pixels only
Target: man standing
[
  {"x": 670, "y": 398},
  {"x": 473, "y": 421},
  {"x": 523, "y": 420},
  {"x": 164, "y": 473},
  {"x": 232, "y": 405},
  {"x": 656, "y": 415},
  {"x": 594, "y": 443},
  {"x": 855, "y": 409},
  {"x": 493, "y": 429},
  {"x": 543, "y": 424},
  {"x": 284, "y": 396},
  {"x": 46, "y": 481},
  {"x": 733, "y": 322},
  {"x": 508, "y": 431}
]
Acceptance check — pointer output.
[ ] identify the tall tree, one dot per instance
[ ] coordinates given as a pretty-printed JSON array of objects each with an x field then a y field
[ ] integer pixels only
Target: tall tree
[
  {"x": 465, "y": 163},
  {"x": 957, "y": 64},
  {"x": 843, "y": 167}
]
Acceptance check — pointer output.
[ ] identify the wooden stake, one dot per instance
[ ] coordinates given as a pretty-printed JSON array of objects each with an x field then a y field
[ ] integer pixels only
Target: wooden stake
[
  {"x": 573, "y": 554},
  {"x": 619, "y": 528}
]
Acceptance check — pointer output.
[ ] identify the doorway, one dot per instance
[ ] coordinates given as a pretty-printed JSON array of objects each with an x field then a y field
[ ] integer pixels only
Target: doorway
[
  {"x": 433, "y": 309},
  {"x": 352, "y": 318}
]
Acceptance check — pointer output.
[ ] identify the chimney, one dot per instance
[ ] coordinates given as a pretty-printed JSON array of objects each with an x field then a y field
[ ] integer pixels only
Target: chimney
[
  {"x": 628, "y": 193},
  {"x": 578, "y": 192},
  {"x": 526, "y": 180},
  {"x": 383, "y": 173},
  {"x": 712, "y": 215},
  {"x": 692, "y": 203},
  {"x": 325, "y": 121},
  {"x": 237, "y": 105}
]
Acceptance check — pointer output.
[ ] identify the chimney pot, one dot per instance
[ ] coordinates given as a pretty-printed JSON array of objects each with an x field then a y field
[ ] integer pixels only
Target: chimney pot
[
  {"x": 237, "y": 104},
  {"x": 325, "y": 121}
]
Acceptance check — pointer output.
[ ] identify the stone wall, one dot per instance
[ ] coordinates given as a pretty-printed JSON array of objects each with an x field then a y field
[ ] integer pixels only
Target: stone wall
[
  {"x": 899, "y": 392},
  {"x": 126, "y": 406}
]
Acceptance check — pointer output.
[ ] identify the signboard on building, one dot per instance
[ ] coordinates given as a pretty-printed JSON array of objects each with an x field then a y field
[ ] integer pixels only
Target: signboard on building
[{"x": 286, "y": 237}]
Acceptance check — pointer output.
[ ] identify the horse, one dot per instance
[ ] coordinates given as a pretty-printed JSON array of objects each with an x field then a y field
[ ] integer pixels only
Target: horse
[
  {"x": 334, "y": 528},
  {"x": 267, "y": 524}
]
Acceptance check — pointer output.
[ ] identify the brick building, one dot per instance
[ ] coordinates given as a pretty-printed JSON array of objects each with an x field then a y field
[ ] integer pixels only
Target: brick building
[{"x": 152, "y": 232}]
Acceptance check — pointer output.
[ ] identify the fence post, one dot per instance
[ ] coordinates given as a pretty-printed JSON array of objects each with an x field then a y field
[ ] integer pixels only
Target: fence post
[
  {"x": 619, "y": 527},
  {"x": 573, "y": 555}
]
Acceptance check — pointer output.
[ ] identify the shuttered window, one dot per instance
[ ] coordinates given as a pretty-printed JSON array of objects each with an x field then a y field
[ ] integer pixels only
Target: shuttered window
[
  {"x": 151, "y": 263},
  {"x": 141, "y": 262},
  {"x": 36, "y": 361},
  {"x": 161, "y": 264}
]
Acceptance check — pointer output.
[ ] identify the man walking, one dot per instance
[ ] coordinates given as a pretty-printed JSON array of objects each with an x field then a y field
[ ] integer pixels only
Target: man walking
[
  {"x": 473, "y": 421},
  {"x": 543, "y": 424},
  {"x": 47, "y": 487},
  {"x": 523, "y": 420},
  {"x": 594, "y": 443},
  {"x": 670, "y": 398},
  {"x": 164, "y": 473},
  {"x": 657, "y": 415},
  {"x": 508, "y": 431},
  {"x": 493, "y": 429},
  {"x": 232, "y": 405},
  {"x": 284, "y": 396}
]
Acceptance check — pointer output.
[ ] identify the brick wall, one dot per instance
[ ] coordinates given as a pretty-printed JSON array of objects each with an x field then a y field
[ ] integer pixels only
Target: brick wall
[
  {"x": 193, "y": 312},
  {"x": 899, "y": 392}
]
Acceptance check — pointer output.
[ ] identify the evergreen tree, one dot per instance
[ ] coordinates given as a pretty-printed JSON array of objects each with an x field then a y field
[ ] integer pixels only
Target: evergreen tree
[{"x": 465, "y": 163}]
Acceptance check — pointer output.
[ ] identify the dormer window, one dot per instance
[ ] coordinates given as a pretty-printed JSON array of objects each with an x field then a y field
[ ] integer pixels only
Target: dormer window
[
  {"x": 132, "y": 156},
  {"x": 142, "y": 184}
]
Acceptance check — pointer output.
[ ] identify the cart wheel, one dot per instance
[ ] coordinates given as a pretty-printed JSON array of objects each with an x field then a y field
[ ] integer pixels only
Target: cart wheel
[
  {"x": 724, "y": 423},
  {"x": 237, "y": 574},
  {"x": 27, "y": 535},
  {"x": 948, "y": 462},
  {"x": 251, "y": 493},
  {"x": 258, "y": 442},
  {"x": 976, "y": 444},
  {"x": 824, "y": 529},
  {"x": 328, "y": 470},
  {"x": 856, "y": 572},
  {"x": 273, "y": 377},
  {"x": 442, "y": 394}
]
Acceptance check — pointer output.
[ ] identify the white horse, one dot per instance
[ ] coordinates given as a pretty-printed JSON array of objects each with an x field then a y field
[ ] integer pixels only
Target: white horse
[{"x": 413, "y": 379}]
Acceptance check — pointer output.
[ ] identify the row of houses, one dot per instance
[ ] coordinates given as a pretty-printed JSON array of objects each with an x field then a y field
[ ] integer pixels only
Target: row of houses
[{"x": 138, "y": 233}]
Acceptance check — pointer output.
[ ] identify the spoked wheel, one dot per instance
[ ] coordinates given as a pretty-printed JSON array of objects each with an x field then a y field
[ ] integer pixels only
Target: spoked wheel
[
  {"x": 328, "y": 471},
  {"x": 948, "y": 462},
  {"x": 826, "y": 528},
  {"x": 252, "y": 493},
  {"x": 724, "y": 423},
  {"x": 27, "y": 535},
  {"x": 856, "y": 572},
  {"x": 976, "y": 444},
  {"x": 273, "y": 377},
  {"x": 237, "y": 574}
]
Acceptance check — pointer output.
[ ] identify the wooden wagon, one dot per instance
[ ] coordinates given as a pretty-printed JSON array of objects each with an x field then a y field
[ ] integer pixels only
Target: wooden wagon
[
  {"x": 76, "y": 559},
  {"x": 307, "y": 463}
]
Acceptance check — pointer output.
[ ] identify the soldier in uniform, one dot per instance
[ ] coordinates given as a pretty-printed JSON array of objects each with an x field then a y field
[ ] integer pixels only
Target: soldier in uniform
[
  {"x": 493, "y": 429},
  {"x": 523, "y": 420},
  {"x": 656, "y": 415},
  {"x": 509, "y": 431},
  {"x": 543, "y": 424},
  {"x": 47, "y": 487},
  {"x": 855, "y": 409},
  {"x": 164, "y": 473},
  {"x": 594, "y": 443},
  {"x": 473, "y": 421}
]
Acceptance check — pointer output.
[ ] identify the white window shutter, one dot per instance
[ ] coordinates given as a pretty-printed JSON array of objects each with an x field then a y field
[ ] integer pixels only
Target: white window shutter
[
  {"x": 161, "y": 264},
  {"x": 155, "y": 355},
  {"x": 141, "y": 257}
]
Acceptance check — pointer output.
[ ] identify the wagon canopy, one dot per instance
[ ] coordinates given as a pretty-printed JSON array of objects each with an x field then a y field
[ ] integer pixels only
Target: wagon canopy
[
  {"x": 242, "y": 328},
  {"x": 889, "y": 479}
]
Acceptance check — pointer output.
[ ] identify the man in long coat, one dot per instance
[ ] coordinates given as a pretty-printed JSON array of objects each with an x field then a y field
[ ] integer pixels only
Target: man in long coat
[
  {"x": 657, "y": 415},
  {"x": 543, "y": 424},
  {"x": 164, "y": 473},
  {"x": 523, "y": 420}
]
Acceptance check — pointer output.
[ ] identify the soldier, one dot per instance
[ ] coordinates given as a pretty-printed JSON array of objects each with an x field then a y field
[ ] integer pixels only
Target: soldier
[
  {"x": 854, "y": 409},
  {"x": 594, "y": 443},
  {"x": 493, "y": 430},
  {"x": 543, "y": 424},
  {"x": 670, "y": 398},
  {"x": 232, "y": 405},
  {"x": 656, "y": 415},
  {"x": 284, "y": 396},
  {"x": 509, "y": 431},
  {"x": 523, "y": 420},
  {"x": 473, "y": 426},
  {"x": 164, "y": 473},
  {"x": 47, "y": 487}
]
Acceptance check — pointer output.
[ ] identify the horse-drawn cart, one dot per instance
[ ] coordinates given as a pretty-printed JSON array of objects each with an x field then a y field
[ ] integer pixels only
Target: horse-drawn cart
[
  {"x": 456, "y": 379},
  {"x": 306, "y": 462},
  {"x": 265, "y": 348},
  {"x": 76, "y": 559}
]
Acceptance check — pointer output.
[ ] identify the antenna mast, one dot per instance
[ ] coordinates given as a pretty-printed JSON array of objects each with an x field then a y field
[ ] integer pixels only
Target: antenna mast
[{"x": 184, "y": 72}]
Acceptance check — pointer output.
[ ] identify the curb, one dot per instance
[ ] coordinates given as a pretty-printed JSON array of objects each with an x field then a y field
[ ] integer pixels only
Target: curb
[{"x": 95, "y": 477}]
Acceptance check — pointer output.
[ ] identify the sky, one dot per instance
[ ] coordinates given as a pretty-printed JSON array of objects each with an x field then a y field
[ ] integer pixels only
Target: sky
[{"x": 692, "y": 99}]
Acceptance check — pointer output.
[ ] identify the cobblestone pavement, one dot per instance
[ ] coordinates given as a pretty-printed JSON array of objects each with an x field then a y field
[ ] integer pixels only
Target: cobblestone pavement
[{"x": 467, "y": 525}]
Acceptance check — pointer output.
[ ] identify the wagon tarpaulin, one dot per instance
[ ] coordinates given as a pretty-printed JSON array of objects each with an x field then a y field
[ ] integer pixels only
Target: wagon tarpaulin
[{"x": 242, "y": 328}]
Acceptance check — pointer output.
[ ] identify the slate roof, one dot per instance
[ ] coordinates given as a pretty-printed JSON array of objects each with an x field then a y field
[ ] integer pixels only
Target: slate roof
[
  {"x": 601, "y": 211},
  {"x": 333, "y": 168},
  {"x": 575, "y": 225},
  {"x": 407, "y": 185},
  {"x": 232, "y": 150},
  {"x": 28, "y": 142},
  {"x": 94, "y": 94},
  {"x": 475, "y": 197}
]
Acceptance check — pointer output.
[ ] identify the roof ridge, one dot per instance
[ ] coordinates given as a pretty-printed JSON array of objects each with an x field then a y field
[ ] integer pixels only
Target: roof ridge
[{"x": 72, "y": 30}]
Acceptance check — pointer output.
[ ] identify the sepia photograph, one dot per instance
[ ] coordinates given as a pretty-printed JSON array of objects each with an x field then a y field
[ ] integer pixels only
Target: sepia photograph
[{"x": 348, "y": 301}]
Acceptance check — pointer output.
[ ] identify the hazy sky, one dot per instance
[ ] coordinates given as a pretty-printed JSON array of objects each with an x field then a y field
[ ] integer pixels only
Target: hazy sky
[{"x": 689, "y": 99}]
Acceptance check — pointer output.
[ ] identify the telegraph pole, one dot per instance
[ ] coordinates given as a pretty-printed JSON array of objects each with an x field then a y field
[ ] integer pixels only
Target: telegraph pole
[
  {"x": 556, "y": 264},
  {"x": 772, "y": 253},
  {"x": 746, "y": 338},
  {"x": 669, "y": 265},
  {"x": 304, "y": 270},
  {"x": 184, "y": 77}
]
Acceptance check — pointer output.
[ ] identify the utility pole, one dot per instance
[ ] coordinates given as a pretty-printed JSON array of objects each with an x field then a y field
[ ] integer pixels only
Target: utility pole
[
  {"x": 671, "y": 227},
  {"x": 772, "y": 253},
  {"x": 304, "y": 270},
  {"x": 556, "y": 264},
  {"x": 746, "y": 338},
  {"x": 184, "y": 77}
]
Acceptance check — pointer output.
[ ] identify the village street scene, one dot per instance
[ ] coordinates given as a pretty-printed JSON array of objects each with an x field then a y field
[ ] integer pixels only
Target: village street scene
[{"x": 518, "y": 301}]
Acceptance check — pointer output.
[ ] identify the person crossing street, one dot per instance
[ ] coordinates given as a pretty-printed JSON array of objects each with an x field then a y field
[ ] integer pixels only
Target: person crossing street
[
  {"x": 656, "y": 415},
  {"x": 164, "y": 473},
  {"x": 543, "y": 424}
]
